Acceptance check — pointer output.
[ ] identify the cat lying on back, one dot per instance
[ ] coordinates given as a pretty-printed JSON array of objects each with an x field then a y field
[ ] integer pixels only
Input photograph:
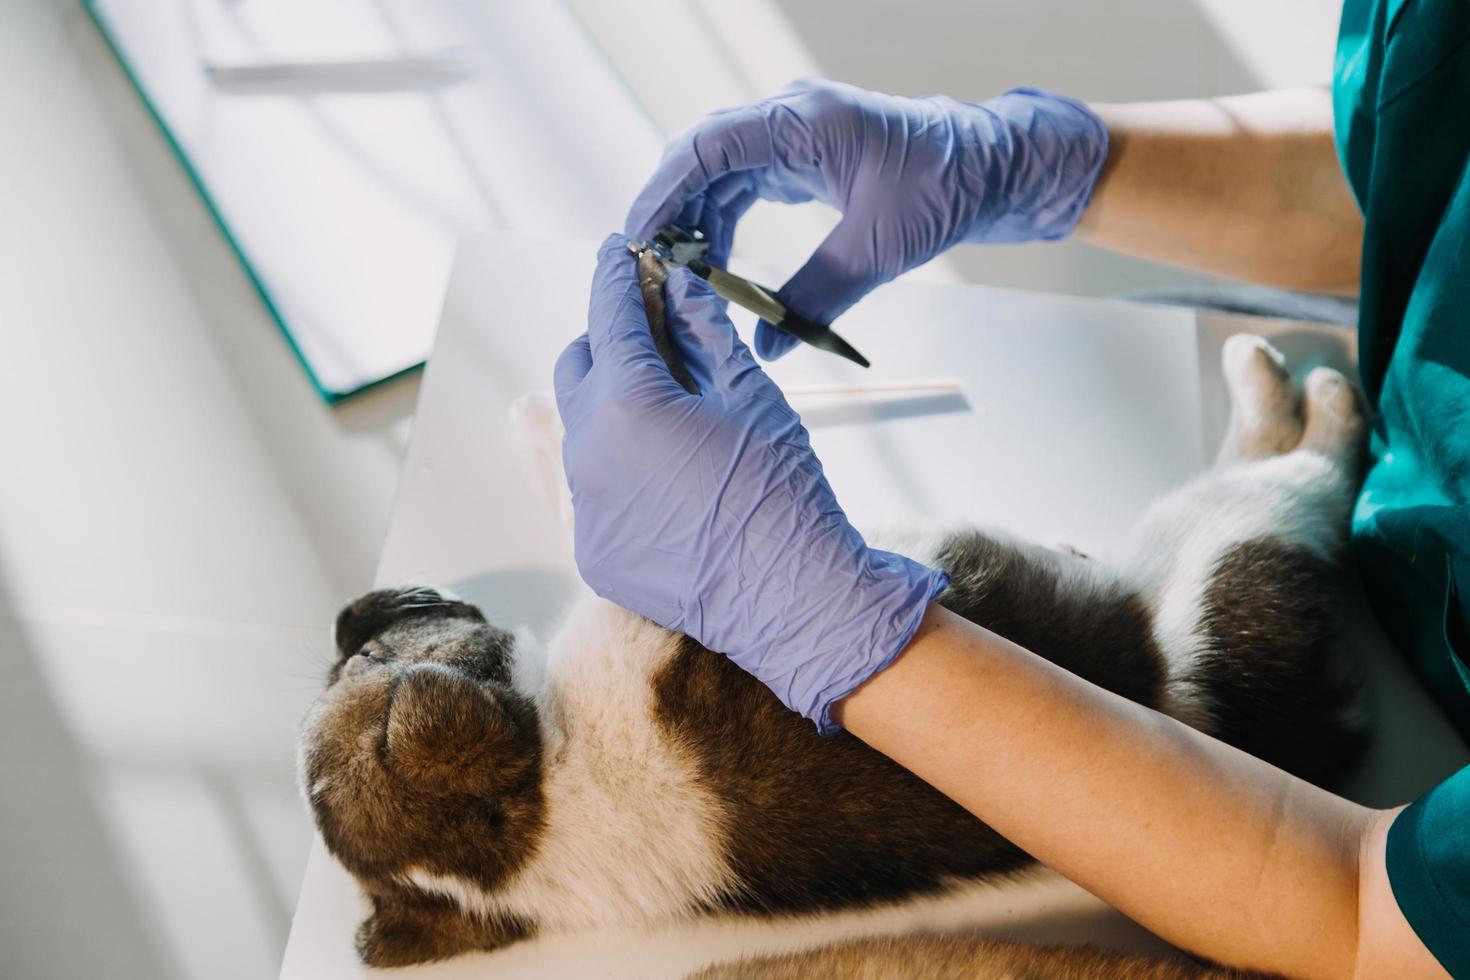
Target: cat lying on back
[{"x": 647, "y": 779}]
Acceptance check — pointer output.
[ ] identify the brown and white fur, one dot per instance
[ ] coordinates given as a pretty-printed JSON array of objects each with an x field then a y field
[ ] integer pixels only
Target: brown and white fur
[
  {"x": 960, "y": 958},
  {"x": 643, "y": 778}
]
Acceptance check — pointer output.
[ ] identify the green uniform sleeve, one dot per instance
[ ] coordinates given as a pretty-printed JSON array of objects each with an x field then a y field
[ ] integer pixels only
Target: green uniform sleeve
[{"x": 1429, "y": 870}]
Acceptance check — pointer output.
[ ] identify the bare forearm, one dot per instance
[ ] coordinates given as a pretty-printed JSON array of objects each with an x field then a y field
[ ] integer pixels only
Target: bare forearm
[
  {"x": 1247, "y": 187},
  {"x": 1212, "y": 849}
]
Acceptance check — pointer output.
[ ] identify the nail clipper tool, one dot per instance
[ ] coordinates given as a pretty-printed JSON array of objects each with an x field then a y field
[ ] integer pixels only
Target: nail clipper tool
[{"x": 674, "y": 246}]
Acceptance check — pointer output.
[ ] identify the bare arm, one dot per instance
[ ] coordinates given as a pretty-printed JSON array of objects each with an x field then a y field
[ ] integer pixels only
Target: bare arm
[
  {"x": 1248, "y": 187},
  {"x": 1210, "y": 848}
]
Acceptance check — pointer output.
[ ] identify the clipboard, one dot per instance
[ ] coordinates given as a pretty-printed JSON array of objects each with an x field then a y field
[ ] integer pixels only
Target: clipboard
[{"x": 343, "y": 201}]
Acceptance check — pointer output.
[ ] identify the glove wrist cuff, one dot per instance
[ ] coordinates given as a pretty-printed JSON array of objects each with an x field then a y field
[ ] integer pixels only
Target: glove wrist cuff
[
  {"x": 1051, "y": 155},
  {"x": 1083, "y": 164},
  {"x": 893, "y": 603}
]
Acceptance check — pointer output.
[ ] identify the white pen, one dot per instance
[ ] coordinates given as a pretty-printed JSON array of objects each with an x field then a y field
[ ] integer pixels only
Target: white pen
[
  {"x": 429, "y": 70},
  {"x": 934, "y": 387}
]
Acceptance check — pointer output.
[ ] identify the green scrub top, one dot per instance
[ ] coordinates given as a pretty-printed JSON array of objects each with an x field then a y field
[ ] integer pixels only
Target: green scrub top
[{"x": 1401, "y": 95}]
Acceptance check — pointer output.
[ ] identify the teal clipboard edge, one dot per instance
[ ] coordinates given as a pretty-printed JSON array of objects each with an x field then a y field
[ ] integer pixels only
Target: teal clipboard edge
[{"x": 327, "y": 395}]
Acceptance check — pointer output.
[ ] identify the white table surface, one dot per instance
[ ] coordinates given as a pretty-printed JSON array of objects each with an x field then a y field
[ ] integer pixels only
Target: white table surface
[{"x": 1073, "y": 414}]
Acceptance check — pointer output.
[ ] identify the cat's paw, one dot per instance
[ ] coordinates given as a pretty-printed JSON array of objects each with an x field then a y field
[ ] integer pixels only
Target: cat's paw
[
  {"x": 384, "y": 941},
  {"x": 1270, "y": 417},
  {"x": 1337, "y": 418},
  {"x": 405, "y": 930},
  {"x": 1264, "y": 420}
]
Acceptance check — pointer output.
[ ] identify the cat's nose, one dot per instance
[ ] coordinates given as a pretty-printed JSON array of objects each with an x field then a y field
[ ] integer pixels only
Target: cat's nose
[{"x": 354, "y": 666}]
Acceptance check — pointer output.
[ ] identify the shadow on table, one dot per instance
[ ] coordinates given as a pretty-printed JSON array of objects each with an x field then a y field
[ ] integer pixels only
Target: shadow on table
[{"x": 69, "y": 903}]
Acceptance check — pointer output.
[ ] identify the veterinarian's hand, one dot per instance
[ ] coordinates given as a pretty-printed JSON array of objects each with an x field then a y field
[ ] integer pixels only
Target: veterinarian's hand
[
  {"x": 709, "y": 513},
  {"x": 912, "y": 177}
]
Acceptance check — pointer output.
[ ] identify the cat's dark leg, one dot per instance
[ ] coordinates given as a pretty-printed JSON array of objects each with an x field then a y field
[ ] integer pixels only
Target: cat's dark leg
[
  {"x": 410, "y": 926},
  {"x": 1222, "y": 608},
  {"x": 1058, "y": 604},
  {"x": 1243, "y": 569}
]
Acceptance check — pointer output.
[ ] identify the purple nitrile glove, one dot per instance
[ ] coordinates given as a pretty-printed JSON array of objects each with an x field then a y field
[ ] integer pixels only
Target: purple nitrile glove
[
  {"x": 912, "y": 177},
  {"x": 709, "y": 513}
]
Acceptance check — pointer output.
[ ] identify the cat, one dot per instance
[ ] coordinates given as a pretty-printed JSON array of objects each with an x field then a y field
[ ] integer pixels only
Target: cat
[{"x": 645, "y": 779}]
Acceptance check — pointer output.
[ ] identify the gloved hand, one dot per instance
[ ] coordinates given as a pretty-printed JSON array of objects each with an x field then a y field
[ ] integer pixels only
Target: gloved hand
[
  {"x": 709, "y": 513},
  {"x": 912, "y": 177}
]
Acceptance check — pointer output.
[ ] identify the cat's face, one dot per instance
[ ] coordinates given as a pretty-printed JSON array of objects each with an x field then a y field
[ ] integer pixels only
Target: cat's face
[{"x": 420, "y": 756}]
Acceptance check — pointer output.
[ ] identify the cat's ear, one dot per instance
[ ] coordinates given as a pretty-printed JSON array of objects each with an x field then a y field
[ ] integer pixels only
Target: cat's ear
[{"x": 446, "y": 734}]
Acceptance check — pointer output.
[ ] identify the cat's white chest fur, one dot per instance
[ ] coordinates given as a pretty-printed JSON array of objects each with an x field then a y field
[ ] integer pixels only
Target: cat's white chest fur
[{"x": 630, "y": 835}]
